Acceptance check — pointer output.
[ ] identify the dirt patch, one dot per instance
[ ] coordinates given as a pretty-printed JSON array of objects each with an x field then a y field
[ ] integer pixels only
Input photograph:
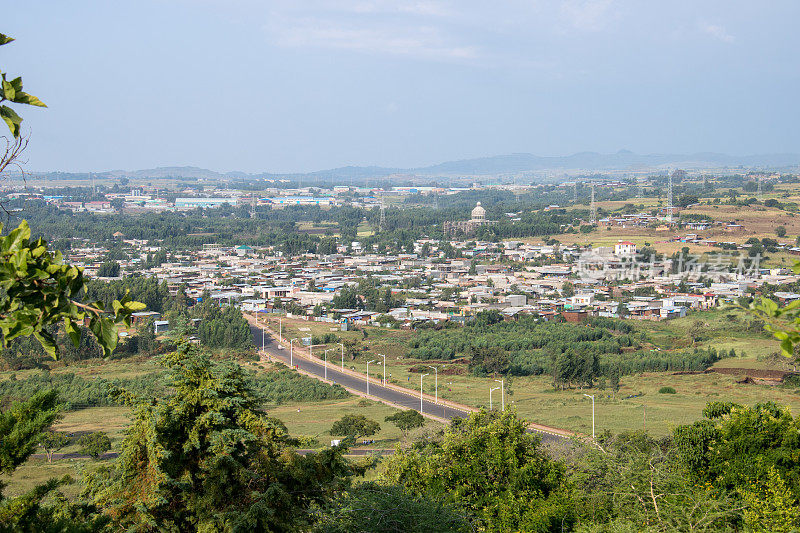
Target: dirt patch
[{"x": 776, "y": 375}]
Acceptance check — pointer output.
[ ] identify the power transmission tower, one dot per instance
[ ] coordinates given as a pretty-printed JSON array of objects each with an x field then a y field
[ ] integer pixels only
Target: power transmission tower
[
  {"x": 669, "y": 199},
  {"x": 575, "y": 194},
  {"x": 383, "y": 214},
  {"x": 593, "y": 208},
  {"x": 759, "y": 189}
]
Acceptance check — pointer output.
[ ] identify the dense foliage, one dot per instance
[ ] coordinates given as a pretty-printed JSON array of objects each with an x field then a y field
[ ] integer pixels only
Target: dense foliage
[
  {"x": 206, "y": 458},
  {"x": 572, "y": 353},
  {"x": 355, "y": 426},
  {"x": 40, "y": 292},
  {"x": 375, "y": 507},
  {"x": 75, "y": 392},
  {"x": 493, "y": 468},
  {"x": 284, "y": 385}
]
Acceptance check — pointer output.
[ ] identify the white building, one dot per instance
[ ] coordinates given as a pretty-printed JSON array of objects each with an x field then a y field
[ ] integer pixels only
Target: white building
[{"x": 624, "y": 248}]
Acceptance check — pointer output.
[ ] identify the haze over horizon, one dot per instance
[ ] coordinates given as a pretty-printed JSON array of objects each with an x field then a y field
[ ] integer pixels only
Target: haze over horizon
[{"x": 274, "y": 86}]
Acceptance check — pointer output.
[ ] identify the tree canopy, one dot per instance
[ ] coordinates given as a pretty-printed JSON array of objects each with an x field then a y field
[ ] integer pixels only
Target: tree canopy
[{"x": 207, "y": 458}]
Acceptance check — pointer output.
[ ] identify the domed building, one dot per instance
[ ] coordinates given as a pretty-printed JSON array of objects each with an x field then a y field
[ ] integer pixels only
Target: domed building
[
  {"x": 477, "y": 219},
  {"x": 479, "y": 213}
]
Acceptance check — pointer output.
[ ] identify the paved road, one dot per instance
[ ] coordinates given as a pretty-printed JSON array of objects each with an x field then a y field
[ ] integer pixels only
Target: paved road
[
  {"x": 377, "y": 391},
  {"x": 407, "y": 401}
]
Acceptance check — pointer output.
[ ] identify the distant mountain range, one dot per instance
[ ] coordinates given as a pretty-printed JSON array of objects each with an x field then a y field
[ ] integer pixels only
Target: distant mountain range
[{"x": 510, "y": 164}]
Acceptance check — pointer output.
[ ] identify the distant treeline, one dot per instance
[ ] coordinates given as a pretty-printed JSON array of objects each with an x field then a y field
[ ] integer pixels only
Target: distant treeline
[{"x": 263, "y": 226}]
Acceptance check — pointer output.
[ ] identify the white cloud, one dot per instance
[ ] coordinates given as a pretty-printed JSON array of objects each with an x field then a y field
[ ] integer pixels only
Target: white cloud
[
  {"x": 424, "y": 42},
  {"x": 588, "y": 14},
  {"x": 717, "y": 32}
]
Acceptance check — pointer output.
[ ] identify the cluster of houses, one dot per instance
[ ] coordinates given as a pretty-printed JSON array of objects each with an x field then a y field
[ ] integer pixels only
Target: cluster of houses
[{"x": 514, "y": 278}]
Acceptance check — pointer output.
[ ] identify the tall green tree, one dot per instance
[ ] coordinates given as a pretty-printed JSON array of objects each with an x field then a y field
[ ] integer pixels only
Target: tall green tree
[
  {"x": 207, "y": 458},
  {"x": 406, "y": 420},
  {"x": 494, "y": 469},
  {"x": 355, "y": 426}
]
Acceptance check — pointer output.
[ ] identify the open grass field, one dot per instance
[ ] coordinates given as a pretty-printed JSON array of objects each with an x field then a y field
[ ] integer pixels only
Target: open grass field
[
  {"x": 314, "y": 420},
  {"x": 535, "y": 398},
  {"x": 112, "y": 420}
]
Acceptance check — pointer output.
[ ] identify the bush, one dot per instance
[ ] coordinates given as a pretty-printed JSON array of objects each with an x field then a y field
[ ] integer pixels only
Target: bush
[
  {"x": 666, "y": 390},
  {"x": 94, "y": 444}
]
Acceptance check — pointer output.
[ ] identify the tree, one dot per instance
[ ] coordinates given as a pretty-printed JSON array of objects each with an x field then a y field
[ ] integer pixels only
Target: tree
[
  {"x": 52, "y": 441},
  {"x": 490, "y": 466},
  {"x": 780, "y": 231},
  {"x": 378, "y": 508},
  {"x": 567, "y": 290},
  {"x": 355, "y": 426},
  {"x": 687, "y": 199},
  {"x": 771, "y": 506},
  {"x": 109, "y": 269},
  {"x": 406, "y": 420},
  {"x": 22, "y": 426},
  {"x": 633, "y": 482},
  {"x": 207, "y": 458},
  {"x": 490, "y": 360},
  {"x": 94, "y": 444},
  {"x": 613, "y": 379},
  {"x": 735, "y": 446}
]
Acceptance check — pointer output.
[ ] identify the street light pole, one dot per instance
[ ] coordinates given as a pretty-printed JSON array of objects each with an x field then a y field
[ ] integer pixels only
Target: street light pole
[
  {"x": 280, "y": 329},
  {"x": 325, "y": 356},
  {"x": 368, "y": 362},
  {"x": 491, "y": 390},
  {"x": 420, "y": 391},
  {"x": 502, "y": 393},
  {"x": 437, "y": 383},
  {"x": 384, "y": 368},
  {"x": 262, "y": 338},
  {"x": 592, "y": 397},
  {"x": 342, "y": 345},
  {"x": 291, "y": 352}
]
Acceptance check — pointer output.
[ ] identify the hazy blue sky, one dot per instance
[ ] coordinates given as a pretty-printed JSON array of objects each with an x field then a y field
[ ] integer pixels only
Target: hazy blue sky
[{"x": 308, "y": 84}]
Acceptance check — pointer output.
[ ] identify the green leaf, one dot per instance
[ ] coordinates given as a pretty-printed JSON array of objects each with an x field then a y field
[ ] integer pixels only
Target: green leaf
[
  {"x": 5, "y": 39},
  {"x": 73, "y": 332},
  {"x": 11, "y": 118},
  {"x": 48, "y": 343},
  {"x": 8, "y": 91},
  {"x": 25, "y": 98},
  {"x": 787, "y": 347},
  {"x": 106, "y": 334}
]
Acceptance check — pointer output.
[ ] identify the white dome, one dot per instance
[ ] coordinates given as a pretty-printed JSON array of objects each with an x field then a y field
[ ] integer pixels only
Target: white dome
[{"x": 478, "y": 213}]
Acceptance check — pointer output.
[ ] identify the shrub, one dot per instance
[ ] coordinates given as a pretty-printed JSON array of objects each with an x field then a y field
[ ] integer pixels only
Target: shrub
[
  {"x": 94, "y": 444},
  {"x": 666, "y": 390}
]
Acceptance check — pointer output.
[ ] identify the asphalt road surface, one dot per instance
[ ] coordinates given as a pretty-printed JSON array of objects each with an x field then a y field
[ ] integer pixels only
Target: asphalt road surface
[{"x": 407, "y": 401}]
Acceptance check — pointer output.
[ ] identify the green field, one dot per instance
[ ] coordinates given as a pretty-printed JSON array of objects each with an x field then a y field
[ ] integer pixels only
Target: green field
[{"x": 535, "y": 398}]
